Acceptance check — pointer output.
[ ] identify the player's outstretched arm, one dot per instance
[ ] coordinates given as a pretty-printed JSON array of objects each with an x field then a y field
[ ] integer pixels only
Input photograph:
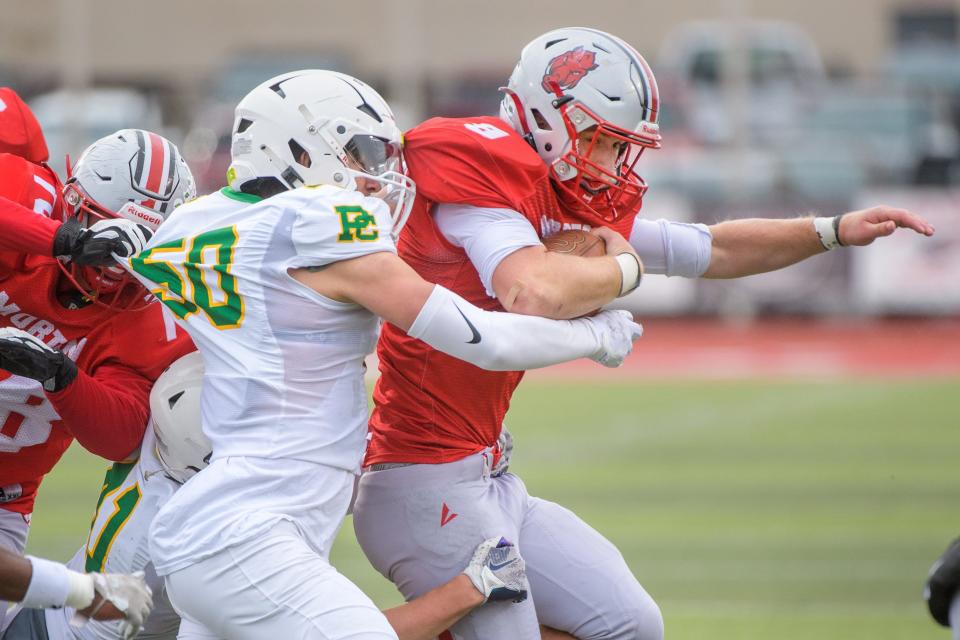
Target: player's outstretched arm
[
  {"x": 26, "y": 232},
  {"x": 386, "y": 285},
  {"x": 495, "y": 573},
  {"x": 757, "y": 245}
]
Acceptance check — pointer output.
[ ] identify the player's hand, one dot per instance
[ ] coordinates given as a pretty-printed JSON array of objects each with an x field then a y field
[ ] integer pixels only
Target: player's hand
[
  {"x": 103, "y": 244},
  {"x": 943, "y": 583},
  {"x": 498, "y": 572},
  {"x": 860, "y": 228},
  {"x": 121, "y": 597},
  {"x": 631, "y": 271},
  {"x": 26, "y": 355},
  {"x": 616, "y": 333},
  {"x": 505, "y": 444},
  {"x": 615, "y": 243}
]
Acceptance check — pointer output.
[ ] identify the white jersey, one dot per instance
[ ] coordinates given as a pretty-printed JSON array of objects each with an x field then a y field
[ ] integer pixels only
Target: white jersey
[
  {"x": 284, "y": 366},
  {"x": 132, "y": 495}
]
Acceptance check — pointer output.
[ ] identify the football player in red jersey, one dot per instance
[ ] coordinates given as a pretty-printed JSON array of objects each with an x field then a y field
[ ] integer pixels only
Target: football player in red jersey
[
  {"x": 79, "y": 344},
  {"x": 580, "y": 109},
  {"x": 24, "y": 174}
]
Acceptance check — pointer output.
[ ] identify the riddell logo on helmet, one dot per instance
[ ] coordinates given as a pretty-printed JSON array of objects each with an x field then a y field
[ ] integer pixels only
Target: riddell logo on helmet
[
  {"x": 568, "y": 69},
  {"x": 135, "y": 213}
]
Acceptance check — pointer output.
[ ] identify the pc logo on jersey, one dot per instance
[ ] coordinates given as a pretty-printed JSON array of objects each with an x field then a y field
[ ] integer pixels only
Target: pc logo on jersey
[
  {"x": 356, "y": 224},
  {"x": 568, "y": 69}
]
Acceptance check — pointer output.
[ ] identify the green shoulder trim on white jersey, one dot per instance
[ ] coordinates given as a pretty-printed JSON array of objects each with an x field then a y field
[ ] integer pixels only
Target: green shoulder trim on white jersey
[{"x": 239, "y": 196}]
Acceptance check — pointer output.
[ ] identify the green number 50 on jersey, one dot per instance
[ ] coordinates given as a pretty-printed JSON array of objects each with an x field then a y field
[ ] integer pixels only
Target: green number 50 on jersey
[{"x": 193, "y": 274}]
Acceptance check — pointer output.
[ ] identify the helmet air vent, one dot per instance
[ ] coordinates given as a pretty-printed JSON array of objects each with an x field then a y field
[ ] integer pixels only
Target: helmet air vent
[
  {"x": 542, "y": 123},
  {"x": 301, "y": 155},
  {"x": 244, "y": 125},
  {"x": 172, "y": 400},
  {"x": 363, "y": 106}
]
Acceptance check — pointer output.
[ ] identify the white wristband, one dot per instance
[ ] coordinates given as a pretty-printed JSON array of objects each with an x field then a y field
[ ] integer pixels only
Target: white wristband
[
  {"x": 49, "y": 584},
  {"x": 827, "y": 232},
  {"x": 630, "y": 272}
]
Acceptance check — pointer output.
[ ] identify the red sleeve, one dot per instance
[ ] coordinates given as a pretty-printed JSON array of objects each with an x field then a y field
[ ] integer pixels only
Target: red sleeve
[
  {"x": 107, "y": 412},
  {"x": 23, "y": 231},
  {"x": 20, "y": 133},
  {"x": 475, "y": 161}
]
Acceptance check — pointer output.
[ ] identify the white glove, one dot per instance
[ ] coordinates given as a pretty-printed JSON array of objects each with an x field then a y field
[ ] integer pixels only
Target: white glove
[
  {"x": 616, "y": 332},
  {"x": 126, "y": 237},
  {"x": 498, "y": 571},
  {"x": 129, "y": 594}
]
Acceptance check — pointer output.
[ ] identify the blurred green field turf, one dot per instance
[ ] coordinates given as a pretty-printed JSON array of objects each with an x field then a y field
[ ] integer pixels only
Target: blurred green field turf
[{"x": 748, "y": 509}]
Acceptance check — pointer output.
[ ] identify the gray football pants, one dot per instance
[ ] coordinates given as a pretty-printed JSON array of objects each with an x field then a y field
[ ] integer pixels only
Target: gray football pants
[
  {"x": 419, "y": 524},
  {"x": 13, "y": 536}
]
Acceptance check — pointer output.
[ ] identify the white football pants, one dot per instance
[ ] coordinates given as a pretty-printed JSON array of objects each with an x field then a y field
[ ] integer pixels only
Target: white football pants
[{"x": 274, "y": 588}]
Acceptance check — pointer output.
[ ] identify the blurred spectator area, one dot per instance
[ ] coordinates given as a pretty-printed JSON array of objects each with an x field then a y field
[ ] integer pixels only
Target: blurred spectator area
[{"x": 771, "y": 108}]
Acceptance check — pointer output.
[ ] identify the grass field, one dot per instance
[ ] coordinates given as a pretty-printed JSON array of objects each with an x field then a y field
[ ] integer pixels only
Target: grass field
[{"x": 748, "y": 509}]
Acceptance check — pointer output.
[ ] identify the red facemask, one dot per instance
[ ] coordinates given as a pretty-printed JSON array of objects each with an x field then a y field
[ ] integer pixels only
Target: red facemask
[
  {"x": 583, "y": 185},
  {"x": 110, "y": 287}
]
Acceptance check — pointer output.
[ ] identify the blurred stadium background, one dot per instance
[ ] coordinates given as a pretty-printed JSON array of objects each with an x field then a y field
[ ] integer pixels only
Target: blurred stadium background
[{"x": 779, "y": 458}]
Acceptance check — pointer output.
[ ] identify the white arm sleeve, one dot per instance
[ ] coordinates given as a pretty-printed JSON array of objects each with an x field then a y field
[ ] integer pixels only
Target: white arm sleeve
[
  {"x": 500, "y": 341},
  {"x": 672, "y": 248},
  {"x": 487, "y": 235}
]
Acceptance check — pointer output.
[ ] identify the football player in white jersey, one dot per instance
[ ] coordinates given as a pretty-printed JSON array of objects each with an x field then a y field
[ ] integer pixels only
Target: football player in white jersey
[
  {"x": 281, "y": 287},
  {"x": 173, "y": 450}
]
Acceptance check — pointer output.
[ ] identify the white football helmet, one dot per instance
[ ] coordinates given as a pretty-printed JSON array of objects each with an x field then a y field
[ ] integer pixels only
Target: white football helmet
[
  {"x": 175, "y": 415},
  {"x": 568, "y": 81},
  {"x": 316, "y": 127},
  {"x": 133, "y": 174}
]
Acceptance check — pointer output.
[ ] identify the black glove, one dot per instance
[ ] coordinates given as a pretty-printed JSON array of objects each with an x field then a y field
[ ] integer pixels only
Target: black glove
[
  {"x": 942, "y": 583},
  {"x": 25, "y": 355},
  {"x": 97, "y": 245}
]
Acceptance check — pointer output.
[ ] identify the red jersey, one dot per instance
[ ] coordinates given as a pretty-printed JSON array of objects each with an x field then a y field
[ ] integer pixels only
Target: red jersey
[
  {"x": 118, "y": 353},
  {"x": 431, "y": 407},
  {"x": 35, "y": 186}
]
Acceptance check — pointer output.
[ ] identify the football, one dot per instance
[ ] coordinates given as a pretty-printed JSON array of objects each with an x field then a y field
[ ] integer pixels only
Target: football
[{"x": 576, "y": 242}]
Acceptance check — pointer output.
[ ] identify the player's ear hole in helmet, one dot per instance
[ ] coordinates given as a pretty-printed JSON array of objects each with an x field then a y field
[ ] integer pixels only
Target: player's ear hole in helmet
[
  {"x": 133, "y": 174},
  {"x": 315, "y": 127},
  {"x": 181, "y": 447}
]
